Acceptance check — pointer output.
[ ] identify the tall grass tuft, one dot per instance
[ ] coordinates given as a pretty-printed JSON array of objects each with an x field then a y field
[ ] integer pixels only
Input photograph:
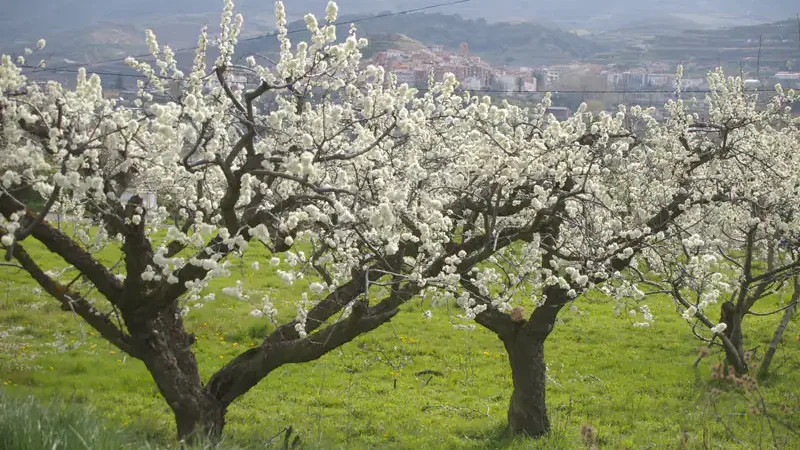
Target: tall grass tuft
[
  {"x": 27, "y": 423},
  {"x": 30, "y": 424}
]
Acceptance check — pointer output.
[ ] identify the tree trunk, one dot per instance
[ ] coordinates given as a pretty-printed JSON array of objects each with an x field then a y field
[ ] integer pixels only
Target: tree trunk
[
  {"x": 776, "y": 339},
  {"x": 527, "y": 412},
  {"x": 732, "y": 317},
  {"x": 199, "y": 418},
  {"x": 167, "y": 353},
  {"x": 736, "y": 334}
]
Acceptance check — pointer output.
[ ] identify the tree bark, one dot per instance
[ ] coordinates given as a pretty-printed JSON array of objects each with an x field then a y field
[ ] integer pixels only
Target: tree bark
[
  {"x": 736, "y": 333},
  {"x": 167, "y": 353},
  {"x": 776, "y": 338},
  {"x": 199, "y": 417},
  {"x": 527, "y": 411},
  {"x": 732, "y": 317}
]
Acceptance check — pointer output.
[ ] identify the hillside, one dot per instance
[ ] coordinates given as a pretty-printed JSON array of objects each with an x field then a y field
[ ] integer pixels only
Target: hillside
[
  {"x": 613, "y": 14},
  {"x": 385, "y": 41},
  {"x": 498, "y": 43},
  {"x": 733, "y": 47},
  {"x": 109, "y": 40}
]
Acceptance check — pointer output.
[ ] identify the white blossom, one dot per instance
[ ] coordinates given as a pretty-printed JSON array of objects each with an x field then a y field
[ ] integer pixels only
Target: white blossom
[
  {"x": 331, "y": 12},
  {"x": 719, "y": 328},
  {"x": 689, "y": 313},
  {"x": 316, "y": 288}
]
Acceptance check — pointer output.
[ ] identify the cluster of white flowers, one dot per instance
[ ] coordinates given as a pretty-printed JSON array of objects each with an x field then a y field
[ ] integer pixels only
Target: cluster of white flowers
[
  {"x": 719, "y": 328},
  {"x": 689, "y": 313},
  {"x": 267, "y": 309},
  {"x": 236, "y": 291},
  {"x": 647, "y": 317},
  {"x": 471, "y": 307},
  {"x": 300, "y": 325}
]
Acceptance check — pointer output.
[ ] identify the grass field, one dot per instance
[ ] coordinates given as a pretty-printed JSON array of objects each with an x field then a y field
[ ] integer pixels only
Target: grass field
[{"x": 635, "y": 387}]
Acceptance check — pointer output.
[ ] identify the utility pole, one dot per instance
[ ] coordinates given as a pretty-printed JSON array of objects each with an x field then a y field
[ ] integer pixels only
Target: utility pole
[{"x": 758, "y": 60}]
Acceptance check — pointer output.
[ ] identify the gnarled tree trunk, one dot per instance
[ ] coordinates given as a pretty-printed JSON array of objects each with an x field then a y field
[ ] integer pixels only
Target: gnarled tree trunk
[
  {"x": 527, "y": 411},
  {"x": 166, "y": 351},
  {"x": 199, "y": 416}
]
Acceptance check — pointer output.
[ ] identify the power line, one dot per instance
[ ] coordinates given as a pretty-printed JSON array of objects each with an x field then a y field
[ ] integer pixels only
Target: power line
[
  {"x": 89, "y": 72},
  {"x": 275, "y": 33},
  {"x": 380, "y": 16}
]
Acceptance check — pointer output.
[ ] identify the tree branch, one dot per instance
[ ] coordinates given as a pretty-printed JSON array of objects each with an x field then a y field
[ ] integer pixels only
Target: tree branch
[
  {"x": 62, "y": 245},
  {"x": 74, "y": 302},
  {"x": 220, "y": 71}
]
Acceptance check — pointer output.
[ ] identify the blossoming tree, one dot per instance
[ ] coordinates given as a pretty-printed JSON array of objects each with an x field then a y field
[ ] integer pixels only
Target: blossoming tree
[
  {"x": 300, "y": 156},
  {"x": 377, "y": 191},
  {"x": 594, "y": 193},
  {"x": 746, "y": 249}
]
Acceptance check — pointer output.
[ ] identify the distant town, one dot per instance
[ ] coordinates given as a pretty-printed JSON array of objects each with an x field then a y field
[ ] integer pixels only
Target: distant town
[{"x": 415, "y": 66}]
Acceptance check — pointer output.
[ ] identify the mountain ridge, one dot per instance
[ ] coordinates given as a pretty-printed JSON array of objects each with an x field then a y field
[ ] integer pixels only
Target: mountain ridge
[
  {"x": 37, "y": 18},
  {"x": 498, "y": 43}
]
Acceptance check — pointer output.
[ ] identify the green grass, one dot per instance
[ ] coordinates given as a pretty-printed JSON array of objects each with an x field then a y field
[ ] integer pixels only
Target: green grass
[
  {"x": 635, "y": 387},
  {"x": 27, "y": 424}
]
